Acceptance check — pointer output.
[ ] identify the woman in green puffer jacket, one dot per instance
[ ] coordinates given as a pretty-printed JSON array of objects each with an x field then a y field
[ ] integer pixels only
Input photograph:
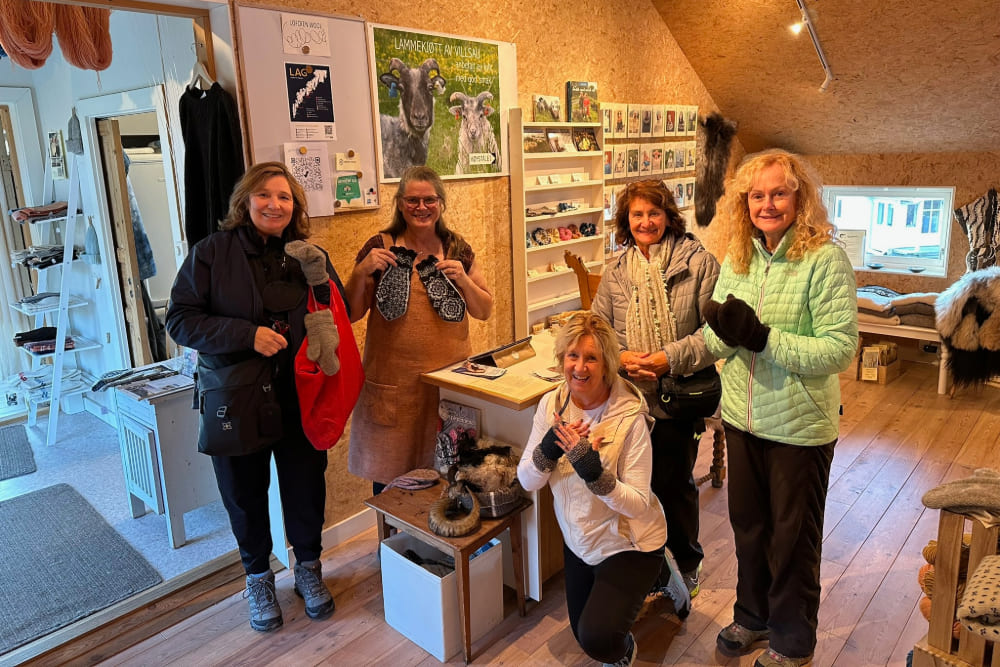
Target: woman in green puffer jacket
[{"x": 784, "y": 317}]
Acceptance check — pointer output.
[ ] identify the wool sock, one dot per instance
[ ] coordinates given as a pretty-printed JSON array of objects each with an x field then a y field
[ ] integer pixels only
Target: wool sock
[
  {"x": 392, "y": 296},
  {"x": 445, "y": 297}
]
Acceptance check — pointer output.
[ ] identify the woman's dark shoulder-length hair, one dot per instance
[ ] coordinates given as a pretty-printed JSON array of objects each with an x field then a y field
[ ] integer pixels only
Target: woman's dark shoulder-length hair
[
  {"x": 254, "y": 179},
  {"x": 657, "y": 194}
]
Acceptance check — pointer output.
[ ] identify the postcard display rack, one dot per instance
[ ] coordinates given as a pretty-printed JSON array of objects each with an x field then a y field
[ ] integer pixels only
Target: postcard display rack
[
  {"x": 552, "y": 192},
  {"x": 63, "y": 393}
]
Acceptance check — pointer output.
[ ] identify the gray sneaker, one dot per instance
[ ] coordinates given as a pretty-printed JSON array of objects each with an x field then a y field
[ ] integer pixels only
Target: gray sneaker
[
  {"x": 265, "y": 614},
  {"x": 675, "y": 588},
  {"x": 310, "y": 587}
]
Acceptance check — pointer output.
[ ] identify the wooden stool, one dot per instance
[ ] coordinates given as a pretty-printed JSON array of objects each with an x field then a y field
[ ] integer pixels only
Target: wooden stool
[{"x": 937, "y": 648}]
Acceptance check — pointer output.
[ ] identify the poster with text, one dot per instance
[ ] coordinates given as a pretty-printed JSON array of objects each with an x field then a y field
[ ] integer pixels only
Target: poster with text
[
  {"x": 310, "y": 102},
  {"x": 438, "y": 103}
]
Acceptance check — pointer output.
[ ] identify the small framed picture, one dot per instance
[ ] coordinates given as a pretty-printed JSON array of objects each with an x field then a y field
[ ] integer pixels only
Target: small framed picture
[{"x": 57, "y": 155}]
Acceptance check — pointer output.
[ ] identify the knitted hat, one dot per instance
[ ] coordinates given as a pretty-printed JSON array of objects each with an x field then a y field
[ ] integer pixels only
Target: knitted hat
[
  {"x": 981, "y": 491},
  {"x": 74, "y": 138}
]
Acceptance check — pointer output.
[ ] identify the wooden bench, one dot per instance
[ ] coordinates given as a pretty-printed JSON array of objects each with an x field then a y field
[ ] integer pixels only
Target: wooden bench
[{"x": 916, "y": 333}]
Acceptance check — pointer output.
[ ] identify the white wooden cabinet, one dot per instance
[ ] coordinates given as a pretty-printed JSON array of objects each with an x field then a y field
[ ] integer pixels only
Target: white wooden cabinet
[
  {"x": 540, "y": 291},
  {"x": 164, "y": 471}
]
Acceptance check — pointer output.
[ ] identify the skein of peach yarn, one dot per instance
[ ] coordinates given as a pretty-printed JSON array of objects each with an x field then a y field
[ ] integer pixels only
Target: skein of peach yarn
[
  {"x": 84, "y": 35},
  {"x": 26, "y": 31}
]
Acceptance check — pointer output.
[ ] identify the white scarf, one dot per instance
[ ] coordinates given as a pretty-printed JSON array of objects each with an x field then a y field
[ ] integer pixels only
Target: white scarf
[{"x": 649, "y": 322}]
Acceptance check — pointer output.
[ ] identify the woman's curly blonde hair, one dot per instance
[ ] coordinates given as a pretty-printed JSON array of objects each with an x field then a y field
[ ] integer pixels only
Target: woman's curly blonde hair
[{"x": 812, "y": 226}]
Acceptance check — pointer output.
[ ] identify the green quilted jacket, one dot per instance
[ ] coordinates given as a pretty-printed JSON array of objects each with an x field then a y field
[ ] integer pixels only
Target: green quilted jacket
[{"x": 790, "y": 392}]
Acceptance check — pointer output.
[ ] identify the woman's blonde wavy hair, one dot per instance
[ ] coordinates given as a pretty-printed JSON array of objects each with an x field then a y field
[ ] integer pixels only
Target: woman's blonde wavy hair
[{"x": 812, "y": 226}]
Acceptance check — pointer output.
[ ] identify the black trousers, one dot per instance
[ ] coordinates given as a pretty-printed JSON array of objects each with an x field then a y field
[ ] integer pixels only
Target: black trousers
[
  {"x": 777, "y": 497},
  {"x": 675, "y": 450},
  {"x": 243, "y": 483},
  {"x": 604, "y": 600}
]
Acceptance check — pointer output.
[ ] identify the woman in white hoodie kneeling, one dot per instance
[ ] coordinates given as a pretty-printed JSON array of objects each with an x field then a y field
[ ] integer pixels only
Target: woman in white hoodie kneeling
[{"x": 590, "y": 443}]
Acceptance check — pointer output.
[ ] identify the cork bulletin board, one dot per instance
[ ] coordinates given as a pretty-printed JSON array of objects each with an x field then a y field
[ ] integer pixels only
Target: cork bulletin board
[{"x": 308, "y": 103}]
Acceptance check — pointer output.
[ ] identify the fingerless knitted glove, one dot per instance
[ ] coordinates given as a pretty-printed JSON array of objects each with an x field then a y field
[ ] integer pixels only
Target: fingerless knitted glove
[
  {"x": 547, "y": 452},
  {"x": 587, "y": 464}
]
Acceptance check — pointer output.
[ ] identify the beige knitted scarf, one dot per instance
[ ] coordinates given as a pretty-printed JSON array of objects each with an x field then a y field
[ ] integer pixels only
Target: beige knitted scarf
[{"x": 649, "y": 322}]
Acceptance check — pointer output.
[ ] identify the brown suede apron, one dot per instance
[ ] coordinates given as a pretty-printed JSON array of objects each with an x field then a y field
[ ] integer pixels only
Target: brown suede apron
[{"x": 395, "y": 421}]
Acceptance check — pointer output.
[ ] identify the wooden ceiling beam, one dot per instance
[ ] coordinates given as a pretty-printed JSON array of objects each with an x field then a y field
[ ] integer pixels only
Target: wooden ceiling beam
[{"x": 141, "y": 6}]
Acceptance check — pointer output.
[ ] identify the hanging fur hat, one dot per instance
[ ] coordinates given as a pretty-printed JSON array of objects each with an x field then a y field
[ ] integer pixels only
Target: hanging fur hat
[{"x": 714, "y": 139}]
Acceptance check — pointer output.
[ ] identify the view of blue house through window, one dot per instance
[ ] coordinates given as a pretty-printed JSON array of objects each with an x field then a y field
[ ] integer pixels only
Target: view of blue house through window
[{"x": 905, "y": 229}]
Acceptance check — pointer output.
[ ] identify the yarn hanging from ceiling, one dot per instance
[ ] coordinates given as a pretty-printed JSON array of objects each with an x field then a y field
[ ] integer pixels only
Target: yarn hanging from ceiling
[
  {"x": 84, "y": 35},
  {"x": 26, "y": 31}
]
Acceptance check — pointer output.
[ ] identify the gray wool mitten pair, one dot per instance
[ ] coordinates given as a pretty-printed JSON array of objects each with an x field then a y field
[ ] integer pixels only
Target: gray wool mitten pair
[{"x": 321, "y": 330}]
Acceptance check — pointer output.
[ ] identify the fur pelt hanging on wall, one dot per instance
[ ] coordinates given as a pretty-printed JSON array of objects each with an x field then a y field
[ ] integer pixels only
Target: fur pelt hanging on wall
[
  {"x": 968, "y": 319},
  {"x": 714, "y": 140}
]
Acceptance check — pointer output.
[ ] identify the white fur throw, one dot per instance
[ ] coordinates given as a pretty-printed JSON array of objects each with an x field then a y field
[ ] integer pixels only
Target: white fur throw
[{"x": 968, "y": 312}]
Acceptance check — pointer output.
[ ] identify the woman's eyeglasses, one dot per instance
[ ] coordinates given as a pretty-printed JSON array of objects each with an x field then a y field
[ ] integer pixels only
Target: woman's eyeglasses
[{"x": 414, "y": 202}]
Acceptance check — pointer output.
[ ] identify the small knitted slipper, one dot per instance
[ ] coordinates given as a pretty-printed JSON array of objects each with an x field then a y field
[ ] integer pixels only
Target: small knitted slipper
[
  {"x": 392, "y": 296},
  {"x": 445, "y": 297}
]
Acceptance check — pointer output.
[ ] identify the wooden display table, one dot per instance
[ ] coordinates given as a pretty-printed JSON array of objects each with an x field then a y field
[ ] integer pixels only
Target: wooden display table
[
  {"x": 507, "y": 409},
  {"x": 408, "y": 511}
]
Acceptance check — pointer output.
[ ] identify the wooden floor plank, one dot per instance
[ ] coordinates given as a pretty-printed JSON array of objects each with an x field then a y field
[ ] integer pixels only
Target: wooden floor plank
[{"x": 897, "y": 441}]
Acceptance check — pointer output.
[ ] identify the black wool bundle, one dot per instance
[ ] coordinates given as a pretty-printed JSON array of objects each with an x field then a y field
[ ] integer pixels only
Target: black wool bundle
[{"x": 714, "y": 140}]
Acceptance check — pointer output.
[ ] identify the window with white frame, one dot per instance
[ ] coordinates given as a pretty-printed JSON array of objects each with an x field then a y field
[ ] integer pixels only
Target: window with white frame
[{"x": 895, "y": 229}]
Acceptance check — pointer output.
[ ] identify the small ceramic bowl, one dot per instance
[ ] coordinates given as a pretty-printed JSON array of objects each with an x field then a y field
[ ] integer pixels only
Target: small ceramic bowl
[
  {"x": 916, "y": 269},
  {"x": 875, "y": 267}
]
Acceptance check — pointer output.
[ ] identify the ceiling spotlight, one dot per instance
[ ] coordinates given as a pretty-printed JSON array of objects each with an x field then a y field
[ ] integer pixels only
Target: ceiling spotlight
[{"x": 796, "y": 28}]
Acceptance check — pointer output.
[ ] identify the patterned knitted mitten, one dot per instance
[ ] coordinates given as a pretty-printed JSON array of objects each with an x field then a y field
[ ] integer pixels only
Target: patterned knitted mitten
[
  {"x": 445, "y": 297},
  {"x": 392, "y": 296}
]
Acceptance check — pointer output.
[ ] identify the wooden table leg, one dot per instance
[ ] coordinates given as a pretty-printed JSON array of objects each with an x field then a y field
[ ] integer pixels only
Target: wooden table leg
[
  {"x": 517, "y": 561},
  {"x": 381, "y": 526},
  {"x": 464, "y": 602}
]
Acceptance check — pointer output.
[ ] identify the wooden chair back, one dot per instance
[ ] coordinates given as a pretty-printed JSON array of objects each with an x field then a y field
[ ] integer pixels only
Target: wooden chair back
[{"x": 587, "y": 281}]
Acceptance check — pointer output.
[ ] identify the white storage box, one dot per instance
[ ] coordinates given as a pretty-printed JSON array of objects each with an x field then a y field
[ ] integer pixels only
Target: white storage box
[{"x": 424, "y": 607}]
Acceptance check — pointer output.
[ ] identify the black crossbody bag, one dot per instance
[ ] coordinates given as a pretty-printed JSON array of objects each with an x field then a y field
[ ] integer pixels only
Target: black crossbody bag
[{"x": 694, "y": 396}]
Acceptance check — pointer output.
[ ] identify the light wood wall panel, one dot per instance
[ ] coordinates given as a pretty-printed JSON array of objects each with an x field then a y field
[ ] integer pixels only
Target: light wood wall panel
[{"x": 628, "y": 51}]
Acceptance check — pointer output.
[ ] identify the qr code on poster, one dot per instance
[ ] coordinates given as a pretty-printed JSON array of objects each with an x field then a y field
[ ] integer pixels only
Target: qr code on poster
[{"x": 306, "y": 170}]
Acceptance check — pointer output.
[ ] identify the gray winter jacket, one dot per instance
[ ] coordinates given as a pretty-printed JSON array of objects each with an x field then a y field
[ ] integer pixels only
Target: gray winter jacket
[{"x": 689, "y": 280}]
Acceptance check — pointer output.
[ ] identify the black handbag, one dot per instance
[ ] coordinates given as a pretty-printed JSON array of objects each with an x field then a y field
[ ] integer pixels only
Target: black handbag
[
  {"x": 240, "y": 413},
  {"x": 694, "y": 396}
]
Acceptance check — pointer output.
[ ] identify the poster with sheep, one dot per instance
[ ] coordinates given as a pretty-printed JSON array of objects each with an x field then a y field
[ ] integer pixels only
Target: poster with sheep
[{"x": 439, "y": 101}]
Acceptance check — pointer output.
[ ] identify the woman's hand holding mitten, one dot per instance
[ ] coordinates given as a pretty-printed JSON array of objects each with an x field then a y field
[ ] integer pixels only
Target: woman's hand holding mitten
[
  {"x": 742, "y": 324},
  {"x": 322, "y": 340},
  {"x": 711, "y": 312}
]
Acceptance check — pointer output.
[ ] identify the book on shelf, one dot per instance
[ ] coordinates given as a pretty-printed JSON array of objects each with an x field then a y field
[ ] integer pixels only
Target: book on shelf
[
  {"x": 535, "y": 141},
  {"x": 585, "y": 139},
  {"x": 561, "y": 141},
  {"x": 581, "y": 102},
  {"x": 545, "y": 108}
]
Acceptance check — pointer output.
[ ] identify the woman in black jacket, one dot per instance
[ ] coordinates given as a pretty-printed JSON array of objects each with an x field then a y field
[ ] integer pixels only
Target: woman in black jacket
[{"x": 240, "y": 300}]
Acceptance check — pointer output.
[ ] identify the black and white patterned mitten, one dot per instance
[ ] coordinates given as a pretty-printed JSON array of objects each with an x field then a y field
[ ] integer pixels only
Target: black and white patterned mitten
[
  {"x": 392, "y": 296},
  {"x": 445, "y": 297}
]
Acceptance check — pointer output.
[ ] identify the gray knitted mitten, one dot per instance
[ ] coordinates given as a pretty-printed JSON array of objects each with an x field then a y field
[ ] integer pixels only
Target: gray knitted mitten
[
  {"x": 322, "y": 339},
  {"x": 313, "y": 263}
]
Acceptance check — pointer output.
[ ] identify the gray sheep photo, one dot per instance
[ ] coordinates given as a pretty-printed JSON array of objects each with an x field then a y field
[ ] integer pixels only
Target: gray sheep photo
[{"x": 438, "y": 102}]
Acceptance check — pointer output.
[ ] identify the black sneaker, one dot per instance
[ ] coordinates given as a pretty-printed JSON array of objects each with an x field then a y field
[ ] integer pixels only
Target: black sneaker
[
  {"x": 265, "y": 614},
  {"x": 310, "y": 587},
  {"x": 629, "y": 656}
]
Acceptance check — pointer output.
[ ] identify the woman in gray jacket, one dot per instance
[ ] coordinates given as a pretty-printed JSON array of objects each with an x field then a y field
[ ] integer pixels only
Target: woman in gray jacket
[{"x": 652, "y": 297}]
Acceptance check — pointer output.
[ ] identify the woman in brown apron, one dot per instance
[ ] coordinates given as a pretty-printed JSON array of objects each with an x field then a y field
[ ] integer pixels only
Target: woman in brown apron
[{"x": 419, "y": 305}]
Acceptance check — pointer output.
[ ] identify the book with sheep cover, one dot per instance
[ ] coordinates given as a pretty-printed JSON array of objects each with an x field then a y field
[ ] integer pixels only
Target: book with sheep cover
[
  {"x": 581, "y": 102},
  {"x": 536, "y": 141}
]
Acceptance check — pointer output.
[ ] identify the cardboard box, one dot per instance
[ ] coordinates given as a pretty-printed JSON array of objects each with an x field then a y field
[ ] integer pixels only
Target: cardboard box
[
  {"x": 424, "y": 606},
  {"x": 881, "y": 374}
]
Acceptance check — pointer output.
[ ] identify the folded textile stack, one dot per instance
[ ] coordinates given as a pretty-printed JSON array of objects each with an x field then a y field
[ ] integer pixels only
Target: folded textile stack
[
  {"x": 41, "y": 256},
  {"x": 881, "y": 305},
  {"x": 36, "y": 213}
]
